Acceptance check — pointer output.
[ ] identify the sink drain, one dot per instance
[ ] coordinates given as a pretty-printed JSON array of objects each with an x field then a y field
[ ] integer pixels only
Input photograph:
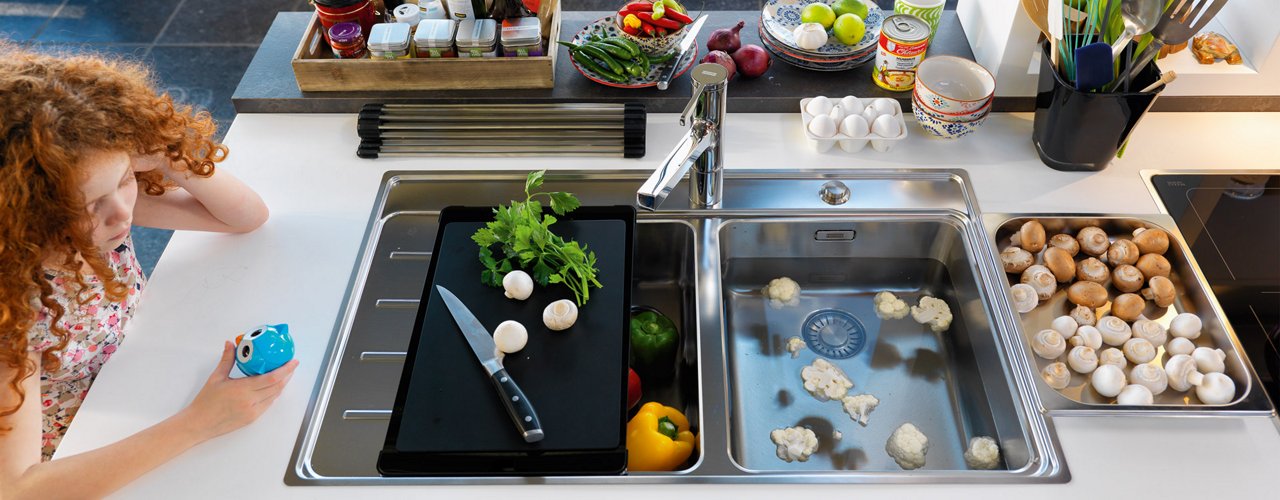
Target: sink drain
[{"x": 834, "y": 334}]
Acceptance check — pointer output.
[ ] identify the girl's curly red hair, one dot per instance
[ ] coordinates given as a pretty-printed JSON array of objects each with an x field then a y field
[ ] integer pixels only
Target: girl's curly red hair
[{"x": 53, "y": 110}]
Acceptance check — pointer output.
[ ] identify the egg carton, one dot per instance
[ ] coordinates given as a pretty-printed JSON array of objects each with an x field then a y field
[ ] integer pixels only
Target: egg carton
[{"x": 851, "y": 143}]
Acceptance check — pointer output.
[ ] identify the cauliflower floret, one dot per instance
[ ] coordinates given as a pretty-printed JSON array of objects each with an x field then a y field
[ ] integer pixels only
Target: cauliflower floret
[
  {"x": 825, "y": 381},
  {"x": 907, "y": 445},
  {"x": 782, "y": 291},
  {"x": 889, "y": 306},
  {"x": 859, "y": 407},
  {"x": 794, "y": 443},
  {"x": 794, "y": 345},
  {"x": 933, "y": 312},
  {"x": 837, "y": 435},
  {"x": 982, "y": 453}
]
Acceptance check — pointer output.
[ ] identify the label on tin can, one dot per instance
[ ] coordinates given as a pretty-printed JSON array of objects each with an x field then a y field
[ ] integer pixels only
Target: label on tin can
[{"x": 903, "y": 41}]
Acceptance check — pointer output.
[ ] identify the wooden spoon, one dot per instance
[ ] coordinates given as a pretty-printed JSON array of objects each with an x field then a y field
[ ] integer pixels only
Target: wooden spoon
[{"x": 1038, "y": 11}]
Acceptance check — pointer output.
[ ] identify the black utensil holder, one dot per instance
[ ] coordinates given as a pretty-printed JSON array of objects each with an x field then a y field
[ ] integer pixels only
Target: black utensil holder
[{"x": 1081, "y": 131}]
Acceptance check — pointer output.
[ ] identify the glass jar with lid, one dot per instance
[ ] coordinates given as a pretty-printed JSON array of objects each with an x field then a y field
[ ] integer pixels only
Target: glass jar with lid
[
  {"x": 390, "y": 41},
  {"x": 477, "y": 38},
  {"x": 347, "y": 41},
  {"x": 434, "y": 38},
  {"x": 521, "y": 37}
]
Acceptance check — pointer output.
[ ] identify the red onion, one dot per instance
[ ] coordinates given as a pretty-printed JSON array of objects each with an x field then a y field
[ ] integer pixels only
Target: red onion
[
  {"x": 726, "y": 39},
  {"x": 723, "y": 59},
  {"x": 752, "y": 61}
]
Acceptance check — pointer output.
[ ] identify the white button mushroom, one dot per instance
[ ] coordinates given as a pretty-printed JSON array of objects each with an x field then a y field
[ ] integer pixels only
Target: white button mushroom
[
  {"x": 1114, "y": 330},
  {"x": 1025, "y": 298},
  {"x": 517, "y": 285},
  {"x": 1092, "y": 269},
  {"x": 1209, "y": 360},
  {"x": 1215, "y": 389},
  {"x": 1139, "y": 350},
  {"x": 1135, "y": 394},
  {"x": 1108, "y": 380},
  {"x": 1030, "y": 236},
  {"x": 1042, "y": 280},
  {"x": 1065, "y": 325},
  {"x": 1087, "y": 336},
  {"x": 1016, "y": 260},
  {"x": 1093, "y": 241},
  {"x": 1150, "y": 331},
  {"x": 1185, "y": 325},
  {"x": 560, "y": 315},
  {"x": 1150, "y": 376},
  {"x": 1182, "y": 373},
  {"x": 1048, "y": 344},
  {"x": 1112, "y": 356},
  {"x": 1082, "y": 359},
  {"x": 1084, "y": 316},
  {"x": 1056, "y": 375},
  {"x": 1179, "y": 345},
  {"x": 510, "y": 336}
]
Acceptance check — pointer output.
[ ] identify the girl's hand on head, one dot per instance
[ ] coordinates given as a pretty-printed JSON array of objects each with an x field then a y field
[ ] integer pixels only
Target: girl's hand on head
[{"x": 225, "y": 404}]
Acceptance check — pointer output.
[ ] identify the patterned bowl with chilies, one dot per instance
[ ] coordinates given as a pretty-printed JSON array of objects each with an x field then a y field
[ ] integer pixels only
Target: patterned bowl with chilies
[{"x": 650, "y": 45}]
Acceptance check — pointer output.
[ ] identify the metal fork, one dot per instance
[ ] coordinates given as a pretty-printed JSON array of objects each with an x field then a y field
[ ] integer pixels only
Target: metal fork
[{"x": 1177, "y": 25}]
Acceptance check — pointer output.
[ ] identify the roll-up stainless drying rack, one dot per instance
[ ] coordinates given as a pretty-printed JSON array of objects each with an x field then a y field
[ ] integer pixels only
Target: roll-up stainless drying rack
[{"x": 555, "y": 129}]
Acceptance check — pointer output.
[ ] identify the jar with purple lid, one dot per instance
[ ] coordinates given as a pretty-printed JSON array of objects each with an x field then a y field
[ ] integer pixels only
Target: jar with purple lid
[{"x": 347, "y": 41}]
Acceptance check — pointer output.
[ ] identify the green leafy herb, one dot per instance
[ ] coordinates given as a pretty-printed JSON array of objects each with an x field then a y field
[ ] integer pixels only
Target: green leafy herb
[{"x": 525, "y": 241}]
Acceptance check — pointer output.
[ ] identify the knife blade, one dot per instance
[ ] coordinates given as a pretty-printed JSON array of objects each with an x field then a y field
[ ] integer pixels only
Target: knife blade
[
  {"x": 481, "y": 342},
  {"x": 686, "y": 42}
]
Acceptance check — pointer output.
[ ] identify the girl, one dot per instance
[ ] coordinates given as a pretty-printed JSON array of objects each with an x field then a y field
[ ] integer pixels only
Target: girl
[{"x": 87, "y": 148}]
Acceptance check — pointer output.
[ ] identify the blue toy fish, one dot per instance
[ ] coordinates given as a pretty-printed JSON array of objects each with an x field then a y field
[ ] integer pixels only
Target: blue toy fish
[{"x": 265, "y": 348}]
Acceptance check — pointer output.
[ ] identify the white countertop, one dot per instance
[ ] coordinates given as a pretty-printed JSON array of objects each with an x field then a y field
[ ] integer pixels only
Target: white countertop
[{"x": 295, "y": 269}]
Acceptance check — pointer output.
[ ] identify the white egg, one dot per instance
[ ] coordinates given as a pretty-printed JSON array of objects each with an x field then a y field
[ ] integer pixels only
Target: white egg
[
  {"x": 870, "y": 114},
  {"x": 855, "y": 126},
  {"x": 884, "y": 106},
  {"x": 852, "y": 105},
  {"x": 819, "y": 106},
  {"x": 837, "y": 114},
  {"x": 886, "y": 126},
  {"x": 823, "y": 126}
]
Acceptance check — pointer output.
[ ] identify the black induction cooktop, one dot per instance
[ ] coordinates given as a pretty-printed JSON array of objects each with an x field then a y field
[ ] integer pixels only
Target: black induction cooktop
[{"x": 1231, "y": 222}]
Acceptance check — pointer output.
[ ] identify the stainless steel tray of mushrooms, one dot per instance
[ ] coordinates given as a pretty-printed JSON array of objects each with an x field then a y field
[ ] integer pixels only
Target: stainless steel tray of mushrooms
[{"x": 1117, "y": 318}]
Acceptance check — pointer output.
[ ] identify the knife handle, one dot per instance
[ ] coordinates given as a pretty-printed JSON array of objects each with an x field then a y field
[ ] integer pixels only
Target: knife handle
[
  {"x": 669, "y": 72},
  {"x": 518, "y": 406}
]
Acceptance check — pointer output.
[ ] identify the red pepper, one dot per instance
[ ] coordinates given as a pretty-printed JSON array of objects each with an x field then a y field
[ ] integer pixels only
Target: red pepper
[
  {"x": 665, "y": 23},
  {"x": 662, "y": 31},
  {"x": 631, "y": 31},
  {"x": 637, "y": 7},
  {"x": 649, "y": 30},
  {"x": 678, "y": 17}
]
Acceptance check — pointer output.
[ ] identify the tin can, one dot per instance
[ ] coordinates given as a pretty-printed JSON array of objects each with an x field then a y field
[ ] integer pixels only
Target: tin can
[{"x": 903, "y": 41}]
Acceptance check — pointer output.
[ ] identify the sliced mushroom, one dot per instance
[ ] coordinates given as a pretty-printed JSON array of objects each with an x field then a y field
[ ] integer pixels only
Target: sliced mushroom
[
  {"x": 1087, "y": 293},
  {"x": 1127, "y": 278},
  {"x": 1084, "y": 316},
  {"x": 1061, "y": 263},
  {"x": 1154, "y": 264},
  {"x": 1016, "y": 260},
  {"x": 1041, "y": 279},
  {"x": 1128, "y": 306},
  {"x": 1122, "y": 252},
  {"x": 1030, "y": 236},
  {"x": 1092, "y": 269},
  {"x": 1160, "y": 290},
  {"x": 1151, "y": 240},
  {"x": 1093, "y": 241},
  {"x": 1065, "y": 242}
]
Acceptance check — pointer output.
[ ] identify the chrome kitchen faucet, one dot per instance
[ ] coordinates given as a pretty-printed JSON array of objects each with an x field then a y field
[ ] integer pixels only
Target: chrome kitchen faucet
[{"x": 701, "y": 147}]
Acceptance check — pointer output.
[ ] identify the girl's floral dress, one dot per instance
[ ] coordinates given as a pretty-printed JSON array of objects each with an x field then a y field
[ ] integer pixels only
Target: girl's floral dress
[{"x": 96, "y": 329}]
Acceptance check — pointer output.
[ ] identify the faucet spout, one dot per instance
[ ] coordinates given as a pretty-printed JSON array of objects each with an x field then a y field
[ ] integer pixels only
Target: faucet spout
[
  {"x": 673, "y": 168},
  {"x": 699, "y": 153}
]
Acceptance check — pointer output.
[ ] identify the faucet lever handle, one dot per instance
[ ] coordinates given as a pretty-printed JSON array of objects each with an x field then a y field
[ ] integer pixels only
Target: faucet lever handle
[
  {"x": 698, "y": 88},
  {"x": 705, "y": 76}
]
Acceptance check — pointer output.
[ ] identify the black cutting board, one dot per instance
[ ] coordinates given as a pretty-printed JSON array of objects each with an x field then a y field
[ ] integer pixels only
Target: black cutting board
[{"x": 447, "y": 419}]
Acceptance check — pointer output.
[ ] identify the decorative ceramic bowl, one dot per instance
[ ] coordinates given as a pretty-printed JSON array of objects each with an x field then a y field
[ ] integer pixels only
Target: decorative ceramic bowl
[
  {"x": 781, "y": 17},
  {"x": 649, "y": 45},
  {"x": 945, "y": 129},
  {"x": 954, "y": 85},
  {"x": 950, "y": 117}
]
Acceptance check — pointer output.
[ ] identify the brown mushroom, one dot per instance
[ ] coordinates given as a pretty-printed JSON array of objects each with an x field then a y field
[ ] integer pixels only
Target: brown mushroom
[
  {"x": 1093, "y": 241},
  {"x": 1160, "y": 290},
  {"x": 1053, "y": 225},
  {"x": 1065, "y": 242},
  {"x": 1151, "y": 240},
  {"x": 1122, "y": 252},
  {"x": 1092, "y": 269},
  {"x": 1127, "y": 278},
  {"x": 1061, "y": 263},
  {"x": 1030, "y": 237},
  {"x": 1081, "y": 223},
  {"x": 1128, "y": 306},
  {"x": 1087, "y": 293},
  {"x": 1154, "y": 264},
  {"x": 1016, "y": 260}
]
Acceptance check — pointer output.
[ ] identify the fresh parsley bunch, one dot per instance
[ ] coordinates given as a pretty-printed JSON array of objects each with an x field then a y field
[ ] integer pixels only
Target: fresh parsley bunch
[{"x": 527, "y": 242}]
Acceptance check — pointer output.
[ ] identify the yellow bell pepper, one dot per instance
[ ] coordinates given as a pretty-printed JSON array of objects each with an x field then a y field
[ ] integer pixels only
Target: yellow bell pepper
[
  {"x": 631, "y": 21},
  {"x": 658, "y": 439}
]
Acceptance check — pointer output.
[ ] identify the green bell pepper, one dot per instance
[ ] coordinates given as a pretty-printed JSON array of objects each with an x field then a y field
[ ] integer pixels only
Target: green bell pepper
[{"x": 653, "y": 345}]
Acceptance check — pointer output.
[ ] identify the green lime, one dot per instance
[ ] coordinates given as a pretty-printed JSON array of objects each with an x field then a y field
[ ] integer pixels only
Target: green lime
[
  {"x": 851, "y": 7},
  {"x": 849, "y": 28},
  {"x": 820, "y": 13}
]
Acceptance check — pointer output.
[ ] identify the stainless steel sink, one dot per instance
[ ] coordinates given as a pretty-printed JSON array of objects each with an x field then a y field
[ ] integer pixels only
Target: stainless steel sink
[{"x": 912, "y": 233}]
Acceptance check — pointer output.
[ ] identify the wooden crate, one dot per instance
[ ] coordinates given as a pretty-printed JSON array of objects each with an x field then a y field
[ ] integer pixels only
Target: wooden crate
[{"x": 317, "y": 70}]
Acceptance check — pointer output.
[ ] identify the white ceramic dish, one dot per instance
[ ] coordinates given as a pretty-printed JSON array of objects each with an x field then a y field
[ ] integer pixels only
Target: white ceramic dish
[
  {"x": 952, "y": 84},
  {"x": 850, "y": 143}
]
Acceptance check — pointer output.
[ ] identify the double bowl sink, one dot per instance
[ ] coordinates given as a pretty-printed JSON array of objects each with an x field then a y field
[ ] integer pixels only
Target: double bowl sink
[{"x": 910, "y": 233}]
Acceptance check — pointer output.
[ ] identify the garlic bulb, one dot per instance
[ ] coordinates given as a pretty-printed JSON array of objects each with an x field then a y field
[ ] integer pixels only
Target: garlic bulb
[
  {"x": 1087, "y": 336},
  {"x": 1114, "y": 330},
  {"x": 1082, "y": 359},
  {"x": 1135, "y": 394},
  {"x": 1179, "y": 345},
  {"x": 560, "y": 315},
  {"x": 1108, "y": 380},
  {"x": 810, "y": 36},
  {"x": 1139, "y": 351},
  {"x": 510, "y": 336},
  {"x": 1150, "y": 331},
  {"x": 1185, "y": 325},
  {"x": 1182, "y": 373},
  {"x": 1112, "y": 356},
  {"x": 1150, "y": 376},
  {"x": 517, "y": 285},
  {"x": 1209, "y": 360},
  {"x": 1084, "y": 316},
  {"x": 1056, "y": 375},
  {"x": 1048, "y": 344},
  {"x": 1215, "y": 389},
  {"x": 1025, "y": 298},
  {"x": 1042, "y": 280},
  {"x": 1065, "y": 325}
]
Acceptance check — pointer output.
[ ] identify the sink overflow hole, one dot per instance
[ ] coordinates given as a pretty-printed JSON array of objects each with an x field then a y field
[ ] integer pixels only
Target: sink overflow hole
[
  {"x": 835, "y": 235},
  {"x": 834, "y": 334}
]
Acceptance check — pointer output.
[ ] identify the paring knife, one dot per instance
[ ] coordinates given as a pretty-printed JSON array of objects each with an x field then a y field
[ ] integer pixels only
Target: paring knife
[
  {"x": 682, "y": 50},
  {"x": 481, "y": 343}
]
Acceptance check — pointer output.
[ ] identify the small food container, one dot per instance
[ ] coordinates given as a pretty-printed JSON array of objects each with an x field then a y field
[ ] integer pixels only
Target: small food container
[
  {"x": 434, "y": 38},
  {"x": 477, "y": 38},
  {"x": 522, "y": 37},
  {"x": 432, "y": 9},
  {"x": 390, "y": 41},
  {"x": 848, "y": 140},
  {"x": 347, "y": 41}
]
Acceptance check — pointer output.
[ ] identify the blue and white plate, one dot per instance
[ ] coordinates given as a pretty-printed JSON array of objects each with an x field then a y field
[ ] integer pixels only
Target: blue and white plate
[
  {"x": 815, "y": 66},
  {"x": 782, "y": 17}
]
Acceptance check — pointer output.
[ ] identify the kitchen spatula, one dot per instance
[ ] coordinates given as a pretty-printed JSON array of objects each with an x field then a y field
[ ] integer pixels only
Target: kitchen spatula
[{"x": 1093, "y": 66}]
